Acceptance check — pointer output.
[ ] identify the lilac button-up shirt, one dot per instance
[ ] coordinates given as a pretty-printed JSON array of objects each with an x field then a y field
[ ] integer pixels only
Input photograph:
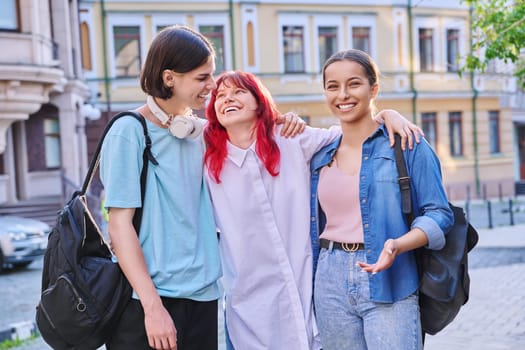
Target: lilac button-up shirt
[{"x": 265, "y": 246}]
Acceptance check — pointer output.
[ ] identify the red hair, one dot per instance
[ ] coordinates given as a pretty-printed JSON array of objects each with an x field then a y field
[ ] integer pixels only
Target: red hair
[{"x": 215, "y": 134}]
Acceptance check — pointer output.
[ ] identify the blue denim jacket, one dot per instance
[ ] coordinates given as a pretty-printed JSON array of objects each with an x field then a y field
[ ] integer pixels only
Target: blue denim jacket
[{"x": 382, "y": 216}]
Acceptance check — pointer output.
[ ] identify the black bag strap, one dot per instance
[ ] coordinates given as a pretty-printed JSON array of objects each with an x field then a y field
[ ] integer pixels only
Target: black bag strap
[
  {"x": 403, "y": 179},
  {"x": 147, "y": 157}
]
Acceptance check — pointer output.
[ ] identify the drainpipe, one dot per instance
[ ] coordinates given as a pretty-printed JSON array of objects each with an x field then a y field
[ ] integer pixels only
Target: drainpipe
[
  {"x": 232, "y": 34},
  {"x": 475, "y": 94},
  {"x": 411, "y": 62},
  {"x": 105, "y": 57}
]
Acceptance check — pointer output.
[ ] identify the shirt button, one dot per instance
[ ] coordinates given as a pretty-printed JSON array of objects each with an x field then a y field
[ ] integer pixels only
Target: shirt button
[
  {"x": 366, "y": 157},
  {"x": 363, "y": 177},
  {"x": 363, "y": 200},
  {"x": 366, "y": 225},
  {"x": 312, "y": 218}
]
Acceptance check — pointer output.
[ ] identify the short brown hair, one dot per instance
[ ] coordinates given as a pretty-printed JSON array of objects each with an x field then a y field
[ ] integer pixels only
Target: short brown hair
[{"x": 178, "y": 48}]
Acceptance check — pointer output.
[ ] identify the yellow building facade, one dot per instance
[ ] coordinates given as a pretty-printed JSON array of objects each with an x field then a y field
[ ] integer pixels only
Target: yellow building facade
[{"x": 418, "y": 48}]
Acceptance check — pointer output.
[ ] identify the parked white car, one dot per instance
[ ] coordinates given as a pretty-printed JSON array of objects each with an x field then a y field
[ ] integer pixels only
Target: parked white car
[{"x": 22, "y": 240}]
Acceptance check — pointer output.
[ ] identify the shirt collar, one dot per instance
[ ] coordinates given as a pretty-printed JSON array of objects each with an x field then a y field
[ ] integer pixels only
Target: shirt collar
[{"x": 238, "y": 155}]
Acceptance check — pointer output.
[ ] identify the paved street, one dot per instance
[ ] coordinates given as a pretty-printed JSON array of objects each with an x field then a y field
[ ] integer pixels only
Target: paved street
[{"x": 493, "y": 319}]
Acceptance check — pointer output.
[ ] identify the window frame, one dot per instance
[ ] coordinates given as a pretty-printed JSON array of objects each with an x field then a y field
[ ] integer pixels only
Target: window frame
[
  {"x": 212, "y": 36},
  {"x": 135, "y": 36},
  {"x": 250, "y": 15},
  {"x": 429, "y": 66},
  {"x": 86, "y": 16},
  {"x": 16, "y": 17},
  {"x": 494, "y": 116},
  {"x": 355, "y": 37},
  {"x": 461, "y": 26},
  {"x": 426, "y": 23},
  {"x": 363, "y": 20},
  {"x": 55, "y": 136},
  {"x": 452, "y": 66},
  {"x": 287, "y": 20},
  {"x": 217, "y": 19},
  {"x": 430, "y": 118},
  {"x": 455, "y": 118},
  {"x": 125, "y": 21},
  {"x": 301, "y": 54},
  {"x": 327, "y": 21}
]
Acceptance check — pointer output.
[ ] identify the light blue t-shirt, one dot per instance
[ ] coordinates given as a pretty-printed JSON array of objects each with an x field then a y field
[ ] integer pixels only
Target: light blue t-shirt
[{"x": 178, "y": 232}]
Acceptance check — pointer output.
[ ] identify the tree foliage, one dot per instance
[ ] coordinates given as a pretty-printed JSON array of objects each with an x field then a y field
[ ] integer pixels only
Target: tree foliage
[{"x": 499, "y": 30}]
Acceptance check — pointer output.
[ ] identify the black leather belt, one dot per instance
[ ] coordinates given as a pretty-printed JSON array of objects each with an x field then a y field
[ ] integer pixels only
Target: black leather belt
[{"x": 347, "y": 247}]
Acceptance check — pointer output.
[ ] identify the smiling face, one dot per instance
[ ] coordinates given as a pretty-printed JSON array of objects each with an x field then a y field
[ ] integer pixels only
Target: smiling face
[
  {"x": 347, "y": 90},
  {"x": 191, "y": 89},
  {"x": 235, "y": 105}
]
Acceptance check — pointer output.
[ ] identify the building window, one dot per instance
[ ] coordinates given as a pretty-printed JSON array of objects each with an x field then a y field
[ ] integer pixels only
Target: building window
[
  {"x": 127, "y": 50},
  {"x": 361, "y": 39},
  {"x": 327, "y": 43},
  {"x": 494, "y": 139},
  {"x": 52, "y": 143},
  {"x": 452, "y": 50},
  {"x": 293, "y": 43},
  {"x": 215, "y": 34},
  {"x": 9, "y": 15},
  {"x": 426, "y": 50},
  {"x": 2, "y": 167},
  {"x": 429, "y": 126},
  {"x": 455, "y": 133}
]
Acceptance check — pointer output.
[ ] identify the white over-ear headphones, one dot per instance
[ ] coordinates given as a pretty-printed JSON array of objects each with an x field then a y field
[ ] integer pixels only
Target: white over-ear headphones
[{"x": 180, "y": 126}]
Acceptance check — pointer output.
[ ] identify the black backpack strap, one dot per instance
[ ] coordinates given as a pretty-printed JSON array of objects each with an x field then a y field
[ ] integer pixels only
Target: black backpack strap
[
  {"x": 403, "y": 180},
  {"x": 147, "y": 157}
]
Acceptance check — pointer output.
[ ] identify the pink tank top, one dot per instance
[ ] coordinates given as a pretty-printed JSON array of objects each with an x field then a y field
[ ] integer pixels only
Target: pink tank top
[{"x": 338, "y": 195}]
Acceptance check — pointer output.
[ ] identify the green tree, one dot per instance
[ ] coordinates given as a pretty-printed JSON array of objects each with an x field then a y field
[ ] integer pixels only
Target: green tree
[{"x": 498, "y": 28}]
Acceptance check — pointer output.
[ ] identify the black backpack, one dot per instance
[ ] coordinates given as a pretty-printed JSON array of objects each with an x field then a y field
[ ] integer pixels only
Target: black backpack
[
  {"x": 444, "y": 282},
  {"x": 84, "y": 292}
]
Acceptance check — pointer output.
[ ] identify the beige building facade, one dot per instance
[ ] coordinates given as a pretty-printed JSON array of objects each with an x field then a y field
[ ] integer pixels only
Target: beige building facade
[
  {"x": 42, "y": 99},
  {"x": 472, "y": 120}
]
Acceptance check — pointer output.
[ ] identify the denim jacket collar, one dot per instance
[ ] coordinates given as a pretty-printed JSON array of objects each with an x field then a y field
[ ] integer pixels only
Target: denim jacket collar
[{"x": 327, "y": 153}]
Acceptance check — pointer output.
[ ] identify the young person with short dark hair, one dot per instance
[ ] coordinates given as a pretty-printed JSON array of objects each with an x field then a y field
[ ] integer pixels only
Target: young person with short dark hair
[{"x": 173, "y": 263}]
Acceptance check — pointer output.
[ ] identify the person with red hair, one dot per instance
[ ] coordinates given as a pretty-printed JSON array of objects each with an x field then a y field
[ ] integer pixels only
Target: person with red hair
[{"x": 259, "y": 183}]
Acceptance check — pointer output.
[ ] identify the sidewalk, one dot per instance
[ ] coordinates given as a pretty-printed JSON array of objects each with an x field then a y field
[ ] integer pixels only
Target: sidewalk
[{"x": 494, "y": 317}]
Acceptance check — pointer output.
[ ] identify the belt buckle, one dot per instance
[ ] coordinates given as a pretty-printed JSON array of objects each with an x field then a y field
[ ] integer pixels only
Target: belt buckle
[{"x": 350, "y": 247}]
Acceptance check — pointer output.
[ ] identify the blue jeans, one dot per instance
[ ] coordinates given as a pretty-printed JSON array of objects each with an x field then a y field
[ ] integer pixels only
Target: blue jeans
[{"x": 348, "y": 319}]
